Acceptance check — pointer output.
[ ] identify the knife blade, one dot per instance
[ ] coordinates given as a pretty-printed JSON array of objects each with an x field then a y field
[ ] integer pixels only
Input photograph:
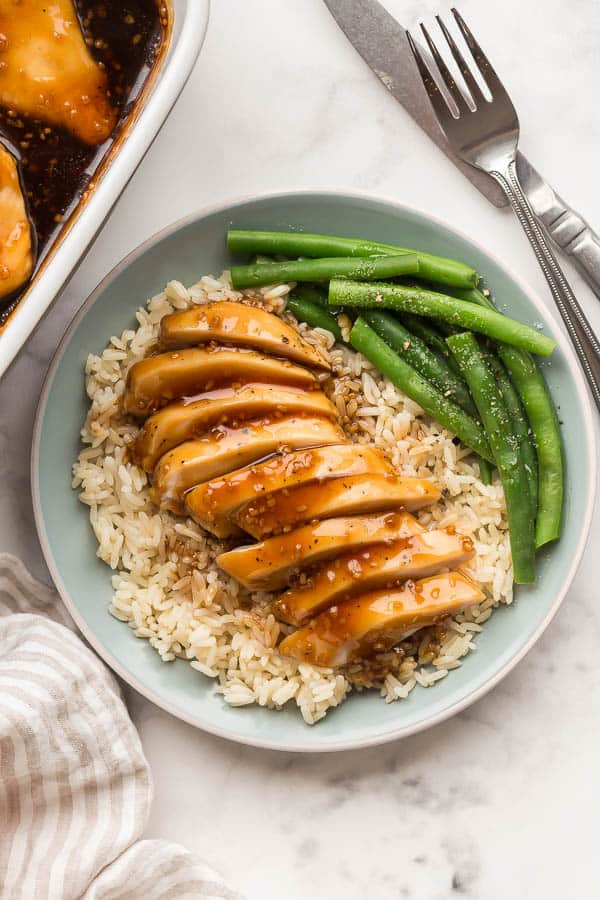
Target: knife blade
[{"x": 381, "y": 41}]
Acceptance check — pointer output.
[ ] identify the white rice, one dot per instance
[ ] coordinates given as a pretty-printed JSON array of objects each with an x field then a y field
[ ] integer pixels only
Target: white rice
[{"x": 166, "y": 585}]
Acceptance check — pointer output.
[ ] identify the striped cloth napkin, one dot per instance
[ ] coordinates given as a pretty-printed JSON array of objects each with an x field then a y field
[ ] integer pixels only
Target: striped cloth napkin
[{"x": 75, "y": 787}]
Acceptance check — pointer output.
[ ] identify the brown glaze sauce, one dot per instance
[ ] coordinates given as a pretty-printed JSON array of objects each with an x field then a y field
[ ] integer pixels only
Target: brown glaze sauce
[{"x": 126, "y": 38}]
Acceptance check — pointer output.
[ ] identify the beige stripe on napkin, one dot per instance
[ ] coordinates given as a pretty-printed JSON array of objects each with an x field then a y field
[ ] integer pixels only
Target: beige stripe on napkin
[{"x": 75, "y": 787}]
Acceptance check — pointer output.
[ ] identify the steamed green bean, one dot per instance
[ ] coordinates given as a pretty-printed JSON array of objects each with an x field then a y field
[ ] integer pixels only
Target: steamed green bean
[
  {"x": 323, "y": 270},
  {"x": 313, "y": 293},
  {"x": 314, "y": 315},
  {"x": 298, "y": 243},
  {"x": 420, "y": 357},
  {"x": 520, "y": 426},
  {"x": 439, "y": 306},
  {"x": 543, "y": 420},
  {"x": 411, "y": 383},
  {"x": 498, "y": 428}
]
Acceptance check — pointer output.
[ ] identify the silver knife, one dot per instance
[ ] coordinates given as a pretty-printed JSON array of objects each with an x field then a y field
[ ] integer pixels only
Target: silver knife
[
  {"x": 382, "y": 43},
  {"x": 567, "y": 229}
]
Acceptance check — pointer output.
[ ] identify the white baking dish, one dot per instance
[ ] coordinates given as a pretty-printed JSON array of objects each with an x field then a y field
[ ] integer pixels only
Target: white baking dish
[{"x": 190, "y": 19}]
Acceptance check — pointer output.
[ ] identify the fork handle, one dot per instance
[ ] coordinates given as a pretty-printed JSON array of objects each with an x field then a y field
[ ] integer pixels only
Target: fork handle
[{"x": 579, "y": 329}]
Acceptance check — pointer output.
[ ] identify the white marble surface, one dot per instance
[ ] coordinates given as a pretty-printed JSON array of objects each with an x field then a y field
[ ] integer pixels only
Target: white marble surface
[{"x": 502, "y": 801}]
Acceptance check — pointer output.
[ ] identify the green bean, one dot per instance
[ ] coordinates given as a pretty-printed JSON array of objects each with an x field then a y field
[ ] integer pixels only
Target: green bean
[
  {"x": 498, "y": 426},
  {"x": 315, "y": 293},
  {"x": 436, "y": 370},
  {"x": 520, "y": 427},
  {"x": 314, "y": 315},
  {"x": 324, "y": 269},
  {"x": 471, "y": 295},
  {"x": 419, "y": 356},
  {"x": 485, "y": 471},
  {"x": 408, "y": 380},
  {"x": 312, "y": 293},
  {"x": 428, "y": 334},
  {"x": 543, "y": 420},
  {"x": 447, "y": 329},
  {"x": 295, "y": 243},
  {"x": 432, "y": 337},
  {"x": 439, "y": 306}
]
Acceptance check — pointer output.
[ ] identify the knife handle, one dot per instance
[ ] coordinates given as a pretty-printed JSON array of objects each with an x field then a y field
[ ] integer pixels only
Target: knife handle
[{"x": 573, "y": 235}]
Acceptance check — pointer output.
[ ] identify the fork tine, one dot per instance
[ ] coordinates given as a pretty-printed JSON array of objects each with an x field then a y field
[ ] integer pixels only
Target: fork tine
[
  {"x": 438, "y": 101},
  {"x": 447, "y": 76},
  {"x": 464, "y": 69},
  {"x": 482, "y": 62}
]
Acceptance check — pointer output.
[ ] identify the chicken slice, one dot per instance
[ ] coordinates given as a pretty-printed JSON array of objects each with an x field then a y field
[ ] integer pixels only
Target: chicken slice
[
  {"x": 212, "y": 505},
  {"x": 269, "y": 564},
  {"x": 183, "y": 421},
  {"x": 223, "y": 449},
  {"x": 228, "y": 322},
  {"x": 357, "y": 494},
  {"x": 377, "y": 621},
  {"x": 376, "y": 567},
  {"x": 157, "y": 380},
  {"x": 47, "y": 71},
  {"x": 16, "y": 251}
]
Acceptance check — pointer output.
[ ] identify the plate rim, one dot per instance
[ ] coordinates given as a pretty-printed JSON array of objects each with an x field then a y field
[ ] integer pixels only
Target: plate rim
[{"x": 312, "y": 746}]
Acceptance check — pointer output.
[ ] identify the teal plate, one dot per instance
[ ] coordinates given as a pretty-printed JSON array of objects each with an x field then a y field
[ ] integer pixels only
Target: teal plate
[{"x": 196, "y": 246}]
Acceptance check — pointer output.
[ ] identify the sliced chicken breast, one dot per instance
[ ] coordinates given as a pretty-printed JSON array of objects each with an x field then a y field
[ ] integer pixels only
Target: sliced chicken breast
[
  {"x": 223, "y": 449},
  {"x": 157, "y": 380},
  {"x": 383, "y": 565},
  {"x": 179, "y": 422},
  {"x": 269, "y": 564},
  {"x": 212, "y": 505},
  {"x": 16, "y": 251},
  {"x": 357, "y": 494},
  {"x": 377, "y": 621},
  {"x": 47, "y": 71},
  {"x": 228, "y": 322}
]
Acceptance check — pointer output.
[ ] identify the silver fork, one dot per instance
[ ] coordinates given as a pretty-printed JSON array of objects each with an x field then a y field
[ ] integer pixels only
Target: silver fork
[{"x": 487, "y": 137}]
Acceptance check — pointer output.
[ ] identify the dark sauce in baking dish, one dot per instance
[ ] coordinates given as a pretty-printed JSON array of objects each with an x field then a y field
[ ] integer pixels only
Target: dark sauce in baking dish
[{"x": 126, "y": 38}]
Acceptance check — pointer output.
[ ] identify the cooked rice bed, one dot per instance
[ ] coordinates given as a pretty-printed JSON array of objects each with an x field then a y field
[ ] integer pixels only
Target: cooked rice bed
[{"x": 169, "y": 590}]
